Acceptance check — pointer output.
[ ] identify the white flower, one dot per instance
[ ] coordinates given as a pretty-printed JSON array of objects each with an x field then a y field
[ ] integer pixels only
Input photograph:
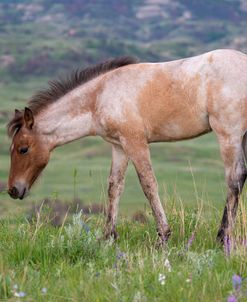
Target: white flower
[
  {"x": 162, "y": 279},
  {"x": 168, "y": 265},
  {"x": 44, "y": 290},
  {"x": 20, "y": 294}
]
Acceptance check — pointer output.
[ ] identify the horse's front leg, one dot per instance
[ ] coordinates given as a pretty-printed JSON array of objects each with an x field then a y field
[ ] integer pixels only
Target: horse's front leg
[
  {"x": 115, "y": 189},
  {"x": 138, "y": 152}
]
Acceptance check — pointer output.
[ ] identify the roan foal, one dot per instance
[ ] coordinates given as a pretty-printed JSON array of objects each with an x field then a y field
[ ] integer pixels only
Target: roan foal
[{"x": 133, "y": 104}]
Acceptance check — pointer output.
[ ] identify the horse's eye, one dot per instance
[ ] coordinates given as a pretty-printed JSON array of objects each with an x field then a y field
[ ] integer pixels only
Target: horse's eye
[{"x": 23, "y": 150}]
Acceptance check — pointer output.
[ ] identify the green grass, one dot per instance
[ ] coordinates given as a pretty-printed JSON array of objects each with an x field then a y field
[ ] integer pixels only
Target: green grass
[
  {"x": 76, "y": 266},
  {"x": 73, "y": 264}
]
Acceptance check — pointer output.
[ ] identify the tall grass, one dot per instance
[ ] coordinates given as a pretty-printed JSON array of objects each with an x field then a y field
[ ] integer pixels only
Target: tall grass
[{"x": 72, "y": 263}]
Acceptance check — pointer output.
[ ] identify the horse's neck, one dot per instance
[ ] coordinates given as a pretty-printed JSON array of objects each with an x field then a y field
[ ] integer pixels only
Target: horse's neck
[{"x": 69, "y": 118}]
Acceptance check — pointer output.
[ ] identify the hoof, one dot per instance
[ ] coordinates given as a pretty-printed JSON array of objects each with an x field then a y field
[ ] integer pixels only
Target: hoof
[
  {"x": 163, "y": 238},
  {"x": 222, "y": 236},
  {"x": 111, "y": 234}
]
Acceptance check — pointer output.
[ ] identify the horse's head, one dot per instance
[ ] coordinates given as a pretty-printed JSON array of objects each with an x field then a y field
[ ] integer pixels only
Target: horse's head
[{"x": 29, "y": 154}]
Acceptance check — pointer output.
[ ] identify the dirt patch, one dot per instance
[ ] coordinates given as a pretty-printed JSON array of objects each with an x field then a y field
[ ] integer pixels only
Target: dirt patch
[
  {"x": 55, "y": 211},
  {"x": 140, "y": 216}
]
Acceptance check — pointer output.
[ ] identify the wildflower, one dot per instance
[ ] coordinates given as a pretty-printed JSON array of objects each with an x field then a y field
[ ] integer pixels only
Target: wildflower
[
  {"x": 86, "y": 227},
  {"x": 236, "y": 282},
  {"x": 121, "y": 259},
  {"x": 232, "y": 298},
  {"x": 120, "y": 255},
  {"x": 227, "y": 245},
  {"x": 44, "y": 290},
  {"x": 162, "y": 279},
  {"x": 168, "y": 265},
  {"x": 189, "y": 279},
  {"x": 20, "y": 294}
]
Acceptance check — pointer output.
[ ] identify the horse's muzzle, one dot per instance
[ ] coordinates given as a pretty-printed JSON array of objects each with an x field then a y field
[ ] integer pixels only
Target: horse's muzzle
[{"x": 18, "y": 191}]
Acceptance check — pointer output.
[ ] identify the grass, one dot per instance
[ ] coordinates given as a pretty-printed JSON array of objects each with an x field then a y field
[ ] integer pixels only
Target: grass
[
  {"x": 69, "y": 262},
  {"x": 72, "y": 263}
]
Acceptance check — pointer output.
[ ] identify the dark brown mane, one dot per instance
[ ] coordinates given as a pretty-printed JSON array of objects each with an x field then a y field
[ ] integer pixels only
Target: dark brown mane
[{"x": 59, "y": 88}]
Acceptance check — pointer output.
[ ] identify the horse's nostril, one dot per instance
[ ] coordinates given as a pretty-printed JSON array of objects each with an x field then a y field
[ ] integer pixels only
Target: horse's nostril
[{"x": 13, "y": 192}]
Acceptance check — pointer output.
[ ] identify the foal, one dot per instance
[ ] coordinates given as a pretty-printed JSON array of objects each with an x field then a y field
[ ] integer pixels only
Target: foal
[{"x": 131, "y": 105}]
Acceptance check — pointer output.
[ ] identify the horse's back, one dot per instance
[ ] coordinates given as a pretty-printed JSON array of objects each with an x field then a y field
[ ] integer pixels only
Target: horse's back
[{"x": 173, "y": 100}]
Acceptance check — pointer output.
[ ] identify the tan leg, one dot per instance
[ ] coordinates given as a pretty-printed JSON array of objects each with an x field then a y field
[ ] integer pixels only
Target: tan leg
[
  {"x": 140, "y": 156},
  {"x": 235, "y": 172},
  {"x": 115, "y": 188}
]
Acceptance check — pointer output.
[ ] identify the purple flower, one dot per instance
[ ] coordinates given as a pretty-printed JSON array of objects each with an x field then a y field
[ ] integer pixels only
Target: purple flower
[
  {"x": 86, "y": 227},
  {"x": 227, "y": 245},
  {"x": 232, "y": 298},
  {"x": 120, "y": 255},
  {"x": 20, "y": 295},
  {"x": 121, "y": 259},
  {"x": 236, "y": 282}
]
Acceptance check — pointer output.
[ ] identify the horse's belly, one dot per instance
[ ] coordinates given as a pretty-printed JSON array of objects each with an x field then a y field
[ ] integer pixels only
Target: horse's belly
[{"x": 179, "y": 127}]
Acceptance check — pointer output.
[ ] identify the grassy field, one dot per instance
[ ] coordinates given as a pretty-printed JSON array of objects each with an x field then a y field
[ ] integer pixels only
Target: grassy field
[
  {"x": 39, "y": 262},
  {"x": 70, "y": 262},
  {"x": 49, "y": 249}
]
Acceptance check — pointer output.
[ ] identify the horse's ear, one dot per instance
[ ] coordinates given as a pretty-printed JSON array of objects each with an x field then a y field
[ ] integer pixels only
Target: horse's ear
[
  {"x": 17, "y": 112},
  {"x": 28, "y": 118}
]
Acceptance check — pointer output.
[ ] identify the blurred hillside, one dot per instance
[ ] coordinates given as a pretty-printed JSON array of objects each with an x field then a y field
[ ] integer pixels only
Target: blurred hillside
[{"x": 46, "y": 38}]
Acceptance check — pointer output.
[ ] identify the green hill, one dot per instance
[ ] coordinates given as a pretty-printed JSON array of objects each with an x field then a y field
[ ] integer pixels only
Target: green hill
[{"x": 44, "y": 38}]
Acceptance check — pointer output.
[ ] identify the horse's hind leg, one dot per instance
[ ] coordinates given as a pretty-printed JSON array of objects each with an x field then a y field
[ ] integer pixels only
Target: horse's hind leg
[
  {"x": 138, "y": 152},
  {"x": 115, "y": 188},
  {"x": 235, "y": 171}
]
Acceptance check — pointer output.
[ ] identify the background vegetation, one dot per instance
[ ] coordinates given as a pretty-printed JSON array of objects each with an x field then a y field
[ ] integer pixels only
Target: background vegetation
[{"x": 42, "y": 39}]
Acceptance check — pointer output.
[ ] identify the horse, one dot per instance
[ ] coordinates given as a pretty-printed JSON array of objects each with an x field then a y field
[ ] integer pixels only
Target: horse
[{"x": 130, "y": 105}]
